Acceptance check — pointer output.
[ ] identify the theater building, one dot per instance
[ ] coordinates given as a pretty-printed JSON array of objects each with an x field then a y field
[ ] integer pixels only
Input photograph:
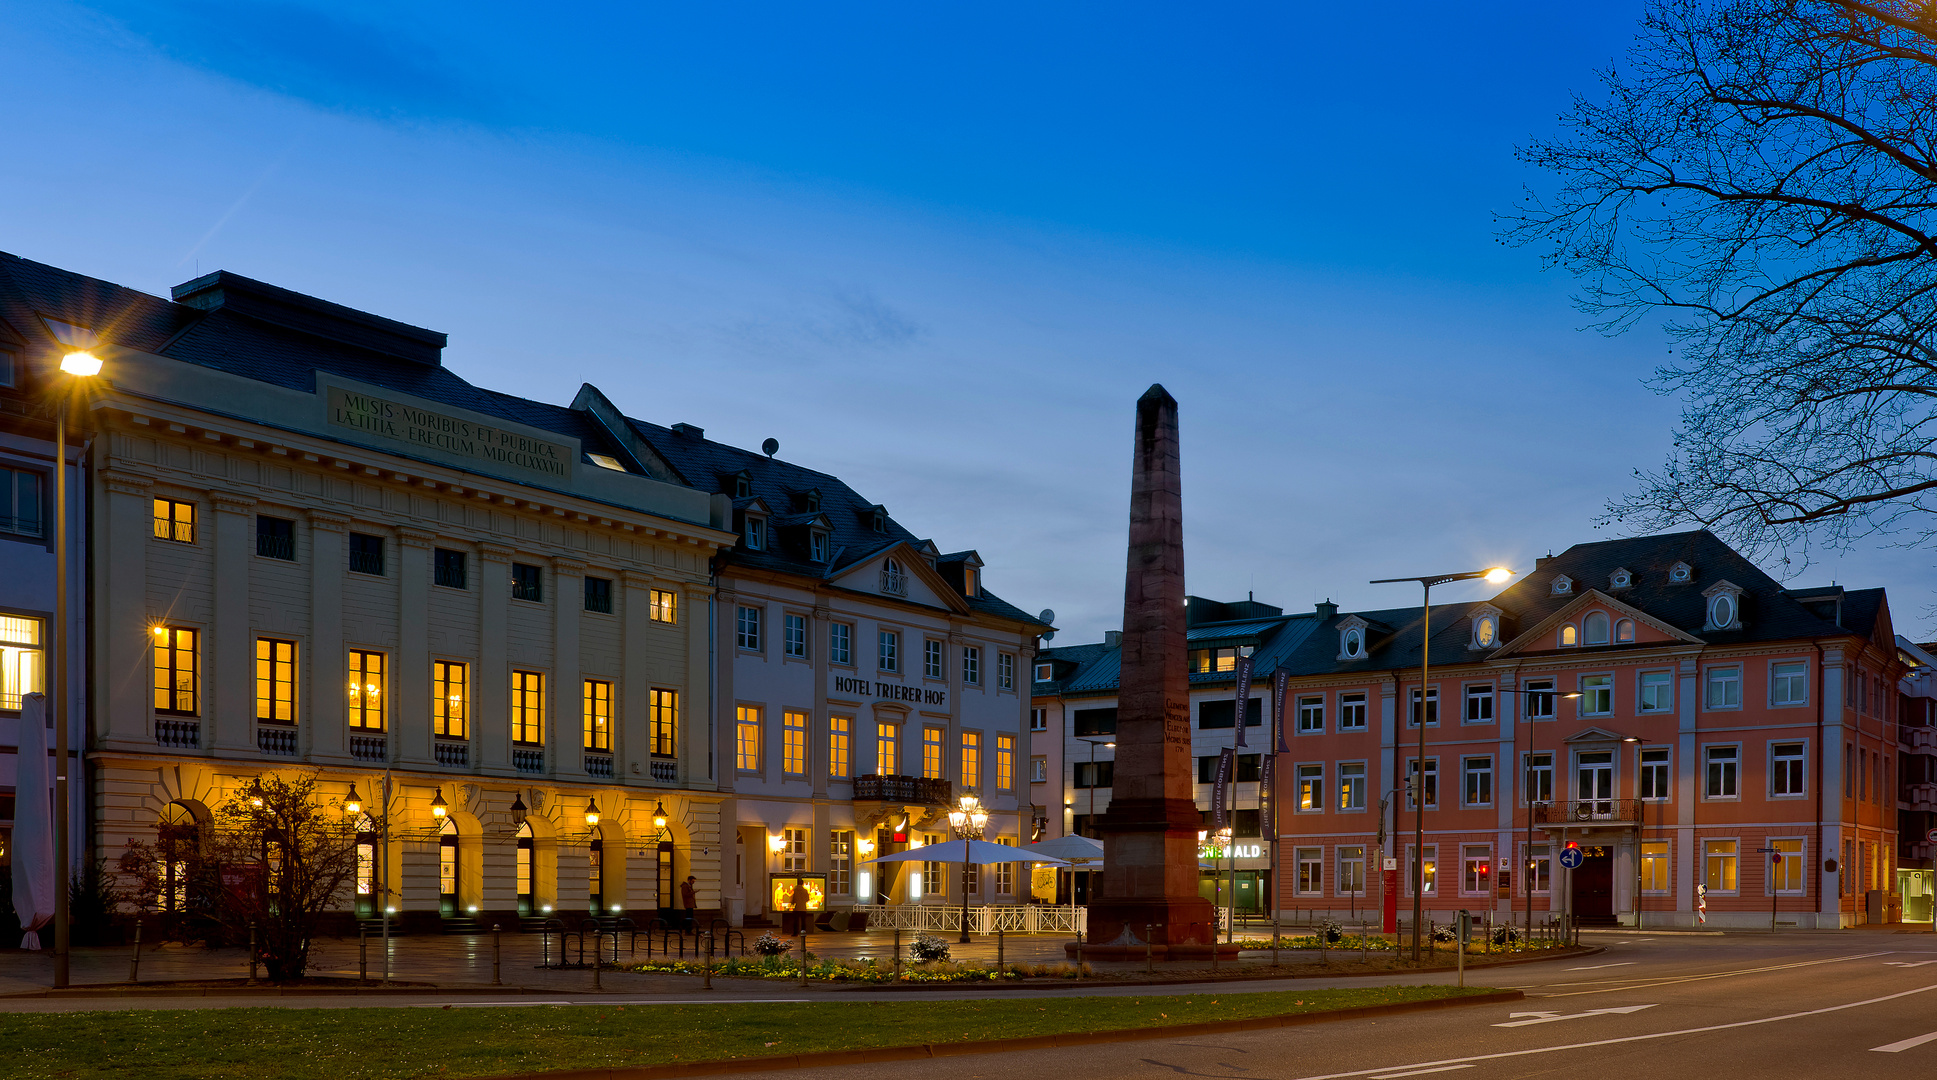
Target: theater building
[
  {"x": 867, "y": 680},
  {"x": 1720, "y": 747},
  {"x": 314, "y": 547}
]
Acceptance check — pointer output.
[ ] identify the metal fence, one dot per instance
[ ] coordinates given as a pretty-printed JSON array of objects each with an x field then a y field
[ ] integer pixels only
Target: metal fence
[{"x": 1008, "y": 918}]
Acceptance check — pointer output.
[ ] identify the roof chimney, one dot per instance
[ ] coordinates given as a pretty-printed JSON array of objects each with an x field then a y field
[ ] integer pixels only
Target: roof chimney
[
  {"x": 1325, "y": 609},
  {"x": 1112, "y": 639},
  {"x": 691, "y": 431}
]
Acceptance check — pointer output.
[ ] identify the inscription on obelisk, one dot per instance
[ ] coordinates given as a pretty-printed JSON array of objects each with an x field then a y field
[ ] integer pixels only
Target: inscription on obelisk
[{"x": 1150, "y": 830}]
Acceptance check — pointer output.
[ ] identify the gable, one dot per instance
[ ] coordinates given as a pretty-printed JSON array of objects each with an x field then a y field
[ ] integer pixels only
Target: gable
[
  {"x": 1544, "y": 635},
  {"x": 920, "y": 583}
]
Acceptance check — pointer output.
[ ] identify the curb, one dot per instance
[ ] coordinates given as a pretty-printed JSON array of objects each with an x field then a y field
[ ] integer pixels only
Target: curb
[
  {"x": 271, "y": 991},
  {"x": 785, "y": 1062}
]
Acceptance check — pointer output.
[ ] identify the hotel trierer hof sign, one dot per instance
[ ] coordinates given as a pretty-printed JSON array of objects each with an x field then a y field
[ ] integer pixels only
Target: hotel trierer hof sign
[{"x": 451, "y": 435}]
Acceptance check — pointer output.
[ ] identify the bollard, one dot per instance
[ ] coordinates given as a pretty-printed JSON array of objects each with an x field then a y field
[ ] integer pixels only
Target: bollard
[
  {"x": 252, "y": 952},
  {"x": 1149, "y": 961},
  {"x": 497, "y": 956},
  {"x": 362, "y": 956},
  {"x": 134, "y": 962},
  {"x": 1079, "y": 954},
  {"x": 998, "y": 951},
  {"x": 1213, "y": 948},
  {"x": 803, "y": 956},
  {"x": 597, "y": 947},
  {"x": 708, "y": 968},
  {"x": 897, "y": 954},
  {"x": 1362, "y": 933}
]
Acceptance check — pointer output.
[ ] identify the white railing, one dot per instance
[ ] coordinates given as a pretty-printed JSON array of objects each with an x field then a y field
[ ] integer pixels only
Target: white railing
[{"x": 1008, "y": 918}]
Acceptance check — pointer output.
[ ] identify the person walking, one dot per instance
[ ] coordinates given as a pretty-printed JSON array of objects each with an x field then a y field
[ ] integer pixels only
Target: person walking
[
  {"x": 797, "y": 903},
  {"x": 689, "y": 899}
]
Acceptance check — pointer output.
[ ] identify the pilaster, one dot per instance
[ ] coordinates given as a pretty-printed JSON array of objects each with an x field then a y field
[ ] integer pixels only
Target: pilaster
[
  {"x": 328, "y": 728},
  {"x": 410, "y": 680},
  {"x": 228, "y": 707},
  {"x": 568, "y": 706},
  {"x": 122, "y": 600},
  {"x": 632, "y": 734},
  {"x": 491, "y": 722}
]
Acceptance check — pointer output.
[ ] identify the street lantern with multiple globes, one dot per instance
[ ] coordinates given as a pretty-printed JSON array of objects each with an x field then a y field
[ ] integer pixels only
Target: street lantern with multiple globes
[{"x": 968, "y": 819}]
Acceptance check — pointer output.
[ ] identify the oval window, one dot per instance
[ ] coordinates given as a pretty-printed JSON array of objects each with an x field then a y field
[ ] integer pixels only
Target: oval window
[
  {"x": 1721, "y": 611},
  {"x": 1594, "y": 628},
  {"x": 1569, "y": 635},
  {"x": 1483, "y": 632},
  {"x": 1352, "y": 642},
  {"x": 1624, "y": 631}
]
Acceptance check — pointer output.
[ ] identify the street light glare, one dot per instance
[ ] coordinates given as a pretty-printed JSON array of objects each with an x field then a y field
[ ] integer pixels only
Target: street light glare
[
  {"x": 1498, "y": 575},
  {"x": 81, "y": 362}
]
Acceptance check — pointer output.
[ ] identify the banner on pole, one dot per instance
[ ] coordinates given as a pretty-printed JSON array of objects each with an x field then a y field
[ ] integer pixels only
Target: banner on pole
[
  {"x": 1244, "y": 695},
  {"x": 1225, "y": 757},
  {"x": 1279, "y": 685},
  {"x": 1268, "y": 798}
]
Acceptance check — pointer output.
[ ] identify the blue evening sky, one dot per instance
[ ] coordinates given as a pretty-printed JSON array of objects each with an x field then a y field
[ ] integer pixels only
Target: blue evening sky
[{"x": 937, "y": 251}]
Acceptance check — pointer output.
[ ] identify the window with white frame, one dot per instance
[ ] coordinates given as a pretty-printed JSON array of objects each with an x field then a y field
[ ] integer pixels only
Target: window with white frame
[
  {"x": 1785, "y": 868},
  {"x": 1038, "y": 770},
  {"x": 1486, "y": 630},
  {"x": 1479, "y": 704},
  {"x": 1721, "y": 766},
  {"x": 1426, "y": 871},
  {"x": 747, "y": 628},
  {"x": 1005, "y": 671},
  {"x": 840, "y": 643},
  {"x": 793, "y": 851},
  {"x": 1654, "y": 774},
  {"x": 1789, "y": 682},
  {"x": 1718, "y": 865},
  {"x": 1540, "y": 868},
  {"x": 1723, "y": 688},
  {"x": 1570, "y": 636},
  {"x": 817, "y": 546},
  {"x": 1311, "y": 715},
  {"x": 1476, "y": 869},
  {"x": 756, "y": 533},
  {"x": 888, "y": 654},
  {"x": 1351, "y": 785},
  {"x": 1597, "y": 695},
  {"x": 1038, "y": 719},
  {"x": 1624, "y": 632},
  {"x": 931, "y": 659},
  {"x": 1540, "y": 699},
  {"x": 1786, "y": 770},
  {"x": 1540, "y": 777},
  {"x": 1311, "y": 788},
  {"x": 1351, "y": 870},
  {"x": 1724, "y": 608},
  {"x": 1478, "y": 780},
  {"x": 1657, "y": 692},
  {"x": 1594, "y": 628},
  {"x": 1351, "y": 644},
  {"x": 1005, "y": 873},
  {"x": 971, "y": 665},
  {"x": 1351, "y": 712},
  {"x": 1430, "y": 783},
  {"x": 795, "y": 634},
  {"x": 1045, "y": 672},
  {"x": 1655, "y": 868},
  {"x": 1432, "y": 708},
  {"x": 840, "y": 862},
  {"x": 1311, "y": 866}
]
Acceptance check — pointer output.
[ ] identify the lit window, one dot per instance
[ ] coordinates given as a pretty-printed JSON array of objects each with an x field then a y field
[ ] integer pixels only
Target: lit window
[
  {"x": 1569, "y": 635},
  {"x": 663, "y": 717},
  {"x": 887, "y": 753},
  {"x": 275, "y": 681},
  {"x": 931, "y": 753},
  {"x": 1486, "y": 631},
  {"x": 175, "y": 520},
  {"x": 1597, "y": 695},
  {"x": 840, "y": 732},
  {"x": 450, "y": 690},
  {"x": 22, "y": 663},
  {"x": 366, "y": 692},
  {"x": 664, "y": 606},
  {"x": 1655, "y": 867},
  {"x": 597, "y": 697},
  {"x": 793, "y": 746},
  {"x": 1718, "y": 865},
  {"x": 971, "y": 760},
  {"x": 1785, "y": 869},
  {"x": 1311, "y": 787},
  {"x": 1426, "y": 870},
  {"x": 528, "y": 708},
  {"x": 1005, "y": 762},
  {"x": 793, "y": 850},
  {"x": 1351, "y": 785},
  {"x": 747, "y": 739}
]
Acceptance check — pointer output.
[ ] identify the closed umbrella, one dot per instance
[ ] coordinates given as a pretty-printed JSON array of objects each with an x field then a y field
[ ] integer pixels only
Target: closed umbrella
[{"x": 34, "y": 879}]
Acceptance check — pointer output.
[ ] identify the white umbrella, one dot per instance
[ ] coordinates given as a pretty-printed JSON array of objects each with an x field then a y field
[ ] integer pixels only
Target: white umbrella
[
  {"x": 1083, "y": 852},
  {"x": 33, "y": 824},
  {"x": 977, "y": 851}
]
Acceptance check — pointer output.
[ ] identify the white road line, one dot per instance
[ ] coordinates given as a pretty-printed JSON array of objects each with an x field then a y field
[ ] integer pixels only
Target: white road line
[
  {"x": 1900, "y": 1047},
  {"x": 1419, "y": 1072},
  {"x": 1597, "y": 967},
  {"x": 1651, "y": 982},
  {"x": 609, "y": 1001},
  {"x": 1389, "y": 1070},
  {"x": 1550, "y": 1017}
]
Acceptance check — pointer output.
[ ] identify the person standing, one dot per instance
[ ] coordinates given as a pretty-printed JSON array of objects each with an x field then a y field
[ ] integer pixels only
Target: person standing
[
  {"x": 797, "y": 904},
  {"x": 689, "y": 899}
]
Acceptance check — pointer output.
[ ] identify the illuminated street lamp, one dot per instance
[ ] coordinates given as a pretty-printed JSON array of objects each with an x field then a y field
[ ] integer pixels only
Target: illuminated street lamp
[
  {"x": 438, "y": 807},
  {"x": 968, "y": 820},
  {"x": 1496, "y": 576},
  {"x": 592, "y": 813},
  {"x": 353, "y": 805},
  {"x": 658, "y": 815}
]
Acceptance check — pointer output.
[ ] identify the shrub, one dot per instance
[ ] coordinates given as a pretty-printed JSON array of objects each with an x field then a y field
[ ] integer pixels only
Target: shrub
[
  {"x": 928, "y": 947},
  {"x": 1505, "y": 935},
  {"x": 1444, "y": 934},
  {"x": 768, "y": 945},
  {"x": 1332, "y": 932}
]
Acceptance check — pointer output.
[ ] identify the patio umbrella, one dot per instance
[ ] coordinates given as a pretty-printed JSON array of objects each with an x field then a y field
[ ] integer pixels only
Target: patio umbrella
[
  {"x": 980, "y": 852},
  {"x": 34, "y": 879},
  {"x": 1080, "y": 851}
]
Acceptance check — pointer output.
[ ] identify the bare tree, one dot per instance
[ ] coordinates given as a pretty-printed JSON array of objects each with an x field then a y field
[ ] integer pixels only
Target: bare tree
[
  {"x": 275, "y": 860},
  {"x": 1763, "y": 173}
]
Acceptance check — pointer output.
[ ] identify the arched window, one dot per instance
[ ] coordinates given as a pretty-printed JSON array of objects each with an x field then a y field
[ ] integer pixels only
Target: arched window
[
  {"x": 447, "y": 869},
  {"x": 366, "y": 866},
  {"x": 525, "y": 852},
  {"x": 595, "y": 875},
  {"x": 1594, "y": 628},
  {"x": 892, "y": 580},
  {"x": 1569, "y": 635},
  {"x": 1624, "y": 631},
  {"x": 178, "y": 860}
]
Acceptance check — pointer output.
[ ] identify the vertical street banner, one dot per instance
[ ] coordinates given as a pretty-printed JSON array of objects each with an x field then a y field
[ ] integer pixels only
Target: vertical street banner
[
  {"x": 1244, "y": 695},
  {"x": 1225, "y": 758},
  {"x": 1268, "y": 798},
  {"x": 1280, "y": 682}
]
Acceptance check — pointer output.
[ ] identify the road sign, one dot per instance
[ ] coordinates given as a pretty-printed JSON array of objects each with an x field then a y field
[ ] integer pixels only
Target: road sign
[
  {"x": 1931, "y": 836},
  {"x": 1572, "y": 857}
]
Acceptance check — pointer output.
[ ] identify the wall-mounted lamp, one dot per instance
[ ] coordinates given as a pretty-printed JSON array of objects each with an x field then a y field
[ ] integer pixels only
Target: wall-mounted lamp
[
  {"x": 592, "y": 813},
  {"x": 658, "y": 815},
  {"x": 353, "y": 805},
  {"x": 255, "y": 794},
  {"x": 776, "y": 843},
  {"x": 518, "y": 809},
  {"x": 438, "y": 807}
]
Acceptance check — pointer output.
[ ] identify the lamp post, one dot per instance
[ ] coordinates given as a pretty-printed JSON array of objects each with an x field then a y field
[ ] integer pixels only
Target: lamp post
[
  {"x": 77, "y": 365},
  {"x": 1496, "y": 575},
  {"x": 1527, "y": 783},
  {"x": 967, "y": 819},
  {"x": 1092, "y": 815}
]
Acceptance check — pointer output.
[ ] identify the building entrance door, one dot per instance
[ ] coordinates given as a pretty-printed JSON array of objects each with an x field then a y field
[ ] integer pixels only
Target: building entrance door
[
  {"x": 1594, "y": 784},
  {"x": 1594, "y": 887}
]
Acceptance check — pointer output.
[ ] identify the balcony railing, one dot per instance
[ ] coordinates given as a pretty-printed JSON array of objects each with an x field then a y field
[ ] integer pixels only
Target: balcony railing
[
  {"x": 528, "y": 760},
  {"x": 280, "y": 741},
  {"x": 598, "y": 765},
  {"x": 665, "y": 771},
  {"x": 369, "y": 747},
  {"x": 894, "y": 583},
  {"x": 1588, "y": 811},
  {"x": 178, "y": 734},
  {"x": 454, "y": 752},
  {"x": 914, "y": 790}
]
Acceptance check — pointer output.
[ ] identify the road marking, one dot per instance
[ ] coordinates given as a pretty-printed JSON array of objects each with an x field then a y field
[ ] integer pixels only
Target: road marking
[
  {"x": 606, "y": 1001},
  {"x": 1389, "y": 1070},
  {"x": 1657, "y": 981},
  {"x": 482, "y": 1004},
  {"x": 1900, "y": 1047},
  {"x": 1419, "y": 1072},
  {"x": 1550, "y": 1017},
  {"x": 1597, "y": 967},
  {"x": 1907, "y": 963}
]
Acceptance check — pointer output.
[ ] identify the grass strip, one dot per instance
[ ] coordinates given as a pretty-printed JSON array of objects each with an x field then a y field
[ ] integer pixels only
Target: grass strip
[{"x": 409, "y": 1043}]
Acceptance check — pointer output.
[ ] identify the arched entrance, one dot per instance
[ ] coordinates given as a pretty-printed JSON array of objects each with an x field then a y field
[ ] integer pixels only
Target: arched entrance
[
  {"x": 366, "y": 867},
  {"x": 526, "y": 867},
  {"x": 181, "y": 869},
  {"x": 448, "y": 865}
]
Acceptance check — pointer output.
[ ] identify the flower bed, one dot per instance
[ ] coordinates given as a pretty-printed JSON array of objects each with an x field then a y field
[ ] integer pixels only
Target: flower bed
[{"x": 862, "y": 971}]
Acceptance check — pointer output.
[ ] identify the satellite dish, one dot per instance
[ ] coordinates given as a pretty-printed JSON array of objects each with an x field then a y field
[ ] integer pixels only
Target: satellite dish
[
  {"x": 770, "y": 447},
  {"x": 1048, "y": 618}
]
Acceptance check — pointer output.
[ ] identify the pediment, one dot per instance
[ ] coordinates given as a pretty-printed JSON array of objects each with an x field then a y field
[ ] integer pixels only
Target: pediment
[
  {"x": 922, "y": 584},
  {"x": 1594, "y": 734},
  {"x": 1529, "y": 639}
]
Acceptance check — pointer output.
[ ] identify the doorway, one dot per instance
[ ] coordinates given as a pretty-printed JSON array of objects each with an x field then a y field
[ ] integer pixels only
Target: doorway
[
  {"x": 447, "y": 855},
  {"x": 1594, "y": 887}
]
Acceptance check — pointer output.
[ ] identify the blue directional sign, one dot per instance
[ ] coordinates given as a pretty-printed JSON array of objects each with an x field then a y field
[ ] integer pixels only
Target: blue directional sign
[{"x": 1572, "y": 857}]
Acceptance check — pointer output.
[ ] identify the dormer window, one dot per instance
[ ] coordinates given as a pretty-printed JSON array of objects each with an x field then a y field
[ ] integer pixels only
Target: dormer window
[
  {"x": 742, "y": 484},
  {"x": 971, "y": 582},
  {"x": 1620, "y": 579},
  {"x": 1681, "y": 573},
  {"x": 1724, "y": 606},
  {"x": 606, "y": 461},
  {"x": 810, "y": 500},
  {"x": 1351, "y": 644},
  {"x": 879, "y": 520},
  {"x": 1570, "y": 636},
  {"x": 756, "y": 533},
  {"x": 1563, "y": 585},
  {"x": 1594, "y": 628},
  {"x": 817, "y": 546},
  {"x": 1486, "y": 628}
]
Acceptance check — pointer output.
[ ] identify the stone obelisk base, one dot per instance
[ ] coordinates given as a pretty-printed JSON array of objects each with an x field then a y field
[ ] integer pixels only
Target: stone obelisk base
[{"x": 1156, "y": 842}]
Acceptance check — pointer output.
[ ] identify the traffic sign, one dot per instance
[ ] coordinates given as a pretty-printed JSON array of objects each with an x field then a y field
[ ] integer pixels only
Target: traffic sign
[
  {"x": 1931, "y": 836},
  {"x": 1572, "y": 857}
]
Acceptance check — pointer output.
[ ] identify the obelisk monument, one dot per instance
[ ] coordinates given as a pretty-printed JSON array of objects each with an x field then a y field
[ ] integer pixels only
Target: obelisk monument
[{"x": 1150, "y": 830}]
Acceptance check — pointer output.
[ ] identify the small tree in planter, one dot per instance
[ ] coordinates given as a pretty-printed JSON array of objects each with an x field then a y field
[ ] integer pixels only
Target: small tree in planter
[
  {"x": 768, "y": 945},
  {"x": 279, "y": 860},
  {"x": 928, "y": 947}
]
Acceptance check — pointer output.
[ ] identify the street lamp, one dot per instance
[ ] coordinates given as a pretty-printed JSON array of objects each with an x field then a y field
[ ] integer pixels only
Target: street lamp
[
  {"x": 658, "y": 815},
  {"x": 77, "y": 365},
  {"x": 967, "y": 819},
  {"x": 1526, "y": 783},
  {"x": 353, "y": 803},
  {"x": 1092, "y": 815},
  {"x": 438, "y": 807},
  {"x": 1496, "y": 575}
]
